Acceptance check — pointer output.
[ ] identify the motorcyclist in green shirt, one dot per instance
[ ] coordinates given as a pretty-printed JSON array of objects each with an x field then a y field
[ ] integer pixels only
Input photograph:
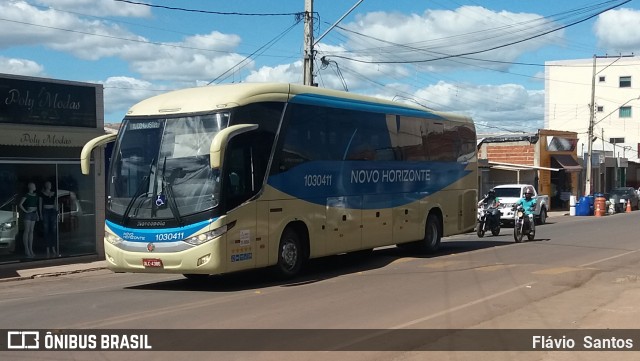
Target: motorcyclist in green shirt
[{"x": 529, "y": 205}]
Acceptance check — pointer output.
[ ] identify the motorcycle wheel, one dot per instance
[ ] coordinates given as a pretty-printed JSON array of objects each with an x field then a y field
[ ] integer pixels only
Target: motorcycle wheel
[
  {"x": 517, "y": 232},
  {"x": 496, "y": 230},
  {"x": 480, "y": 230}
]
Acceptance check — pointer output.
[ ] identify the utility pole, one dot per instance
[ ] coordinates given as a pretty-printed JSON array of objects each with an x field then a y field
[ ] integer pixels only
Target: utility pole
[
  {"x": 592, "y": 105},
  {"x": 308, "y": 44},
  {"x": 587, "y": 183}
]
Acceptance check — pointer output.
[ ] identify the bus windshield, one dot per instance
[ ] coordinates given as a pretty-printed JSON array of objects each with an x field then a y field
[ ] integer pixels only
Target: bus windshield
[{"x": 160, "y": 167}]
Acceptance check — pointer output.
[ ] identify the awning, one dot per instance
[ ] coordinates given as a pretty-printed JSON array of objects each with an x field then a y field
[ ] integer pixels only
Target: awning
[
  {"x": 43, "y": 136},
  {"x": 513, "y": 166},
  {"x": 567, "y": 162}
]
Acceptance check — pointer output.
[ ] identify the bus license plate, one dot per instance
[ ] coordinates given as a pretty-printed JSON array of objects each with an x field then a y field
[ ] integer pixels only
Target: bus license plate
[{"x": 151, "y": 262}]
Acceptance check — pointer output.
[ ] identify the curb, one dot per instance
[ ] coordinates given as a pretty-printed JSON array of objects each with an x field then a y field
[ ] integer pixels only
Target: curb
[{"x": 54, "y": 271}]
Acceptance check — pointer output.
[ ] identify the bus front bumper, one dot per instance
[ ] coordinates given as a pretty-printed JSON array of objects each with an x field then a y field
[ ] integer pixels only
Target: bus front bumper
[{"x": 202, "y": 259}]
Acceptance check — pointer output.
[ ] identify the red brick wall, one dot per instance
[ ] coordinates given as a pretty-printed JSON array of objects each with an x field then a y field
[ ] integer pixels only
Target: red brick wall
[{"x": 515, "y": 154}]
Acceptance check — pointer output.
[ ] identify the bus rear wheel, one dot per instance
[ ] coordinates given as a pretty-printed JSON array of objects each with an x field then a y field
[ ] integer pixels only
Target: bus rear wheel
[
  {"x": 290, "y": 254},
  {"x": 432, "y": 235}
]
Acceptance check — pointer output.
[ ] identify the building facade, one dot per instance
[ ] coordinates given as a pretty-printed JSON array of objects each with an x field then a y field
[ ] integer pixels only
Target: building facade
[
  {"x": 43, "y": 125},
  {"x": 547, "y": 160},
  {"x": 615, "y": 142}
]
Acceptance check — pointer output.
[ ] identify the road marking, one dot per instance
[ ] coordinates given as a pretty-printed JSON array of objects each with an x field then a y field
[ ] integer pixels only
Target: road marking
[
  {"x": 496, "y": 267},
  {"x": 435, "y": 315},
  {"x": 557, "y": 270},
  {"x": 609, "y": 258},
  {"x": 465, "y": 305}
]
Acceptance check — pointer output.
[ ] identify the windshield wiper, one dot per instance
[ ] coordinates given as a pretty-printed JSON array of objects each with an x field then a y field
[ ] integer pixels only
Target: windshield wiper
[
  {"x": 137, "y": 194},
  {"x": 173, "y": 205}
]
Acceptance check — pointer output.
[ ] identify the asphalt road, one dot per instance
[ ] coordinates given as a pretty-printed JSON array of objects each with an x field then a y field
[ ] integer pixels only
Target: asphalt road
[{"x": 564, "y": 279}]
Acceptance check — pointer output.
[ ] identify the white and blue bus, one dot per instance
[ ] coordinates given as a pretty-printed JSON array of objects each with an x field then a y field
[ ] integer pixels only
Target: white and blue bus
[{"x": 218, "y": 179}]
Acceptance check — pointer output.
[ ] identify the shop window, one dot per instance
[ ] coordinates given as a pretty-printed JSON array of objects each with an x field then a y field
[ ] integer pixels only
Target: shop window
[{"x": 71, "y": 230}]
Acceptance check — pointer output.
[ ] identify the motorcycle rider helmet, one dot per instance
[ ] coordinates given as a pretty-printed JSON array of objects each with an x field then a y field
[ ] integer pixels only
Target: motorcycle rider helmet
[
  {"x": 528, "y": 193},
  {"x": 491, "y": 193}
]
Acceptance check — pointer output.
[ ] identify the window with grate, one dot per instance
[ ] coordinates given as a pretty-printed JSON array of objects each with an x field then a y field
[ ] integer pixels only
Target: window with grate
[{"x": 625, "y": 112}]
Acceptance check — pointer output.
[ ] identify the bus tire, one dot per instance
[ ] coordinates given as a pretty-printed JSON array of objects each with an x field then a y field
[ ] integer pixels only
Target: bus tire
[
  {"x": 290, "y": 254},
  {"x": 432, "y": 235}
]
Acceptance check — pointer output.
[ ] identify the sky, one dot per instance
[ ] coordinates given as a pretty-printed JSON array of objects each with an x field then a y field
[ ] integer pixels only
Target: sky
[{"x": 484, "y": 59}]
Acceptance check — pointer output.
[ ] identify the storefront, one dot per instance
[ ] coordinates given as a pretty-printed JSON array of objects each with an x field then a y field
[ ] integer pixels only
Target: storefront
[
  {"x": 43, "y": 125},
  {"x": 547, "y": 160}
]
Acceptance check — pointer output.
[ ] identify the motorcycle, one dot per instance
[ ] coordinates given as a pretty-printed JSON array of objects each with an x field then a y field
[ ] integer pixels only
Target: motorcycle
[
  {"x": 522, "y": 225},
  {"x": 486, "y": 223}
]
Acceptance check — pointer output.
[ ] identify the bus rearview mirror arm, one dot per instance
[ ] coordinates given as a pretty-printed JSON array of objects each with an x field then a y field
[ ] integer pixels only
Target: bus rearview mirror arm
[
  {"x": 219, "y": 143},
  {"x": 85, "y": 155}
]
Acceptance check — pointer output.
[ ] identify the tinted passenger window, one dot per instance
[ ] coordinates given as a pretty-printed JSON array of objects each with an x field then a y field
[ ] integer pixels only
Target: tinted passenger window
[{"x": 316, "y": 134}]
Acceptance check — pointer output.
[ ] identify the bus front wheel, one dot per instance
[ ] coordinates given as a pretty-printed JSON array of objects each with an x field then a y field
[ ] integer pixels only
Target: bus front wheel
[{"x": 290, "y": 254}]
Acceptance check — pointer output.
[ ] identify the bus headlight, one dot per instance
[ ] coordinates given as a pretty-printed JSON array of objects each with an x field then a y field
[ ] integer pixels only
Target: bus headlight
[
  {"x": 112, "y": 238},
  {"x": 6, "y": 226},
  {"x": 207, "y": 236}
]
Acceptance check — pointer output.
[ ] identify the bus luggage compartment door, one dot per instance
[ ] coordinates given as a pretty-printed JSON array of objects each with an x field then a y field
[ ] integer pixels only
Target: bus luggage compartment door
[{"x": 344, "y": 224}]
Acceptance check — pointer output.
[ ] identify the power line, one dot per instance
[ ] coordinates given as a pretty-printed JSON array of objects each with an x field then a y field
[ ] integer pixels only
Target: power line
[
  {"x": 116, "y": 37},
  {"x": 265, "y": 47},
  {"x": 466, "y": 57},
  {"x": 206, "y": 11},
  {"x": 487, "y": 49}
]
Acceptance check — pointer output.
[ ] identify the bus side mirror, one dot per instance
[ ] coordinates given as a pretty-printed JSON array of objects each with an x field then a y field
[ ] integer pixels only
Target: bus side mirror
[
  {"x": 85, "y": 155},
  {"x": 220, "y": 141}
]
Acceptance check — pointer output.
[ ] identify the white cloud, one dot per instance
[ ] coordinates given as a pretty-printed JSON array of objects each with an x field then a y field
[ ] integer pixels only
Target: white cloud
[
  {"x": 180, "y": 62},
  {"x": 287, "y": 73},
  {"x": 120, "y": 93},
  {"x": 618, "y": 30},
  {"x": 439, "y": 33},
  {"x": 201, "y": 56},
  {"x": 508, "y": 106},
  {"x": 21, "y": 67},
  {"x": 28, "y": 25},
  {"x": 99, "y": 7}
]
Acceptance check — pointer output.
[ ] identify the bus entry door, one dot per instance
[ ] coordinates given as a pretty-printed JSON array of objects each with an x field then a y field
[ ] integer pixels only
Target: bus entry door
[{"x": 241, "y": 238}]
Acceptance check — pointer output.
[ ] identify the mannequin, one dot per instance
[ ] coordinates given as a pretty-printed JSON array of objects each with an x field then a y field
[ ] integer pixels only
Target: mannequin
[
  {"x": 29, "y": 206},
  {"x": 49, "y": 214}
]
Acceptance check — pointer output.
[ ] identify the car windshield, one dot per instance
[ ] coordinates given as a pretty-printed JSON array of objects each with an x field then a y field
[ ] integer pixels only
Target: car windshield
[
  {"x": 160, "y": 167},
  {"x": 621, "y": 191},
  {"x": 507, "y": 192},
  {"x": 6, "y": 201}
]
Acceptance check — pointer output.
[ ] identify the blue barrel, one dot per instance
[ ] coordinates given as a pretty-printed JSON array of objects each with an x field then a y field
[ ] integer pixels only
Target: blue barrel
[{"x": 584, "y": 207}]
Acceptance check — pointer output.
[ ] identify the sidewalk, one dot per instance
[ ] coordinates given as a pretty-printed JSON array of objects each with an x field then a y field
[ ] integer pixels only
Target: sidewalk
[
  {"x": 18, "y": 273},
  {"x": 63, "y": 269}
]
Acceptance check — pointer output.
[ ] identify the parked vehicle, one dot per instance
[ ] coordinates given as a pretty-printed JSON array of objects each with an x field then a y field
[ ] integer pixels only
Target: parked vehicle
[
  {"x": 486, "y": 222},
  {"x": 8, "y": 224},
  {"x": 620, "y": 196},
  {"x": 509, "y": 195},
  {"x": 522, "y": 225}
]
